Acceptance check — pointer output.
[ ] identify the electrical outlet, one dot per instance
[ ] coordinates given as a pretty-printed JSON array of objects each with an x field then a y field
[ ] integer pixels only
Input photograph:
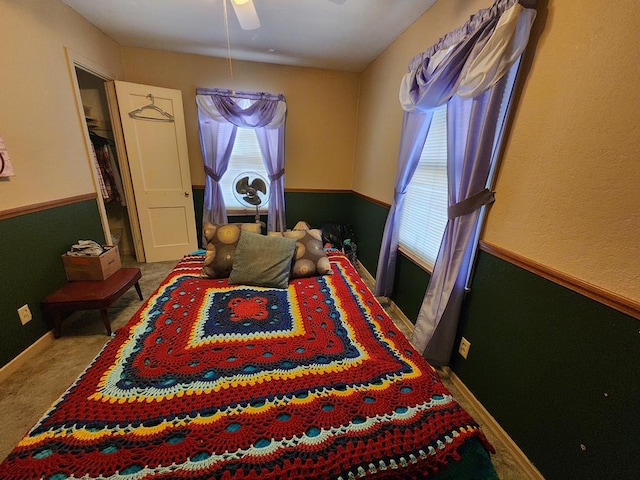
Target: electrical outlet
[
  {"x": 25, "y": 314},
  {"x": 464, "y": 347}
]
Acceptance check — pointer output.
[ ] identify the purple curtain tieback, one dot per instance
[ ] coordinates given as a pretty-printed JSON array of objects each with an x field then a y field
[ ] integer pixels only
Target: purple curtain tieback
[
  {"x": 212, "y": 174},
  {"x": 471, "y": 204},
  {"x": 277, "y": 176}
]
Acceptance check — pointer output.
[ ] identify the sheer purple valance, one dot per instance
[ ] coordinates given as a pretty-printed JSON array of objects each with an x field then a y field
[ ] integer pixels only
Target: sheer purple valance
[
  {"x": 266, "y": 109},
  {"x": 470, "y": 59}
]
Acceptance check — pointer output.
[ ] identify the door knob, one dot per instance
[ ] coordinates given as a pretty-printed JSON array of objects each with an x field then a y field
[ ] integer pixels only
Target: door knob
[{"x": 186, "y": 194}]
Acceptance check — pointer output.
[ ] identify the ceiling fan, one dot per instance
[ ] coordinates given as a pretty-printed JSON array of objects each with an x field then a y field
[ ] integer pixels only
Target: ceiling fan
[{"x": 247, "y": 15}]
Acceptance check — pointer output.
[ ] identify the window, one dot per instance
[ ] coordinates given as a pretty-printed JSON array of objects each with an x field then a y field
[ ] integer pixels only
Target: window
[
  {"x": 246, "y": 157},
  {"x": 424, "y": 213}
]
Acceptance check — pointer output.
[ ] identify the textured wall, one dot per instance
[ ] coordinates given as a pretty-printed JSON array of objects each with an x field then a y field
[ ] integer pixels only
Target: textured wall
[
  {"x": 321, "y": 109},
  {"x": 567, "y": 187},
  {"x": 39, "y": 119},
  {"x": 567, "y": 192}
]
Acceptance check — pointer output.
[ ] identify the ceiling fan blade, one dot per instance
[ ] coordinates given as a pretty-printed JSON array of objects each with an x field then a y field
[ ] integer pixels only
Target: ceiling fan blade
[{"x": 246, "y": 13}]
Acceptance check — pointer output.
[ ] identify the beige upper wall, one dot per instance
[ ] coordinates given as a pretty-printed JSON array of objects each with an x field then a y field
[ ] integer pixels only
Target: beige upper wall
[
  {"x": 38, "y": 117},
  {"x": 567, "y": 191},
  {"x": 321, "y": 109}
]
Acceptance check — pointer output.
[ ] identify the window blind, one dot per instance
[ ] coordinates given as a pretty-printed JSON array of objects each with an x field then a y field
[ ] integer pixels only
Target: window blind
[
  {"x": 424, "y": 214},
  {"x": 245, "y": 157}
]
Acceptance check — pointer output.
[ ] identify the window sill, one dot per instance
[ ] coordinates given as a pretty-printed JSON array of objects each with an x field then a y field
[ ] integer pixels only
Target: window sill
[{"x": 237, "y": 212}]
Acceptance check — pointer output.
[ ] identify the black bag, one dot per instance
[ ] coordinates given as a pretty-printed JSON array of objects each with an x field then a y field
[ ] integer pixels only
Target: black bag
[{"x": 340, "y": 236}]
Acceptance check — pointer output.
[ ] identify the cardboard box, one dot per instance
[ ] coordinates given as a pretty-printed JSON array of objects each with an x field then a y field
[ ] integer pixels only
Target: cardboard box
[{"x": 92, "y": 268}]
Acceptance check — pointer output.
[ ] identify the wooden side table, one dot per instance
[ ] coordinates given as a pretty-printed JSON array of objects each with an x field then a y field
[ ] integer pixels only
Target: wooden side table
[{"x": 89, "y": 295}]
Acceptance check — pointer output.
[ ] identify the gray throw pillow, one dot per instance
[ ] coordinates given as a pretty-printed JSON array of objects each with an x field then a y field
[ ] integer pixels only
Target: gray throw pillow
[{"x": 262, "y": 261}]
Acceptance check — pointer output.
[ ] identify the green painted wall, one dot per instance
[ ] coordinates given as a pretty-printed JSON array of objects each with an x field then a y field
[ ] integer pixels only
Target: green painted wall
[
  {"x": 366, "y": 218},
  {"x": 557, "y": 370},
  {"x": 315, "y": 208},
  {"x": 31, "y": 267},
  {"x": 368, "y": 221},
  {"x": 198, "y": 200},
  {"x": 409, "y": 287}
]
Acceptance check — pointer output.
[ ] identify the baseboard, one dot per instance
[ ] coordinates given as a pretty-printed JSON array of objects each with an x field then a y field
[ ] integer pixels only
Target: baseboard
[
  {"x": 31, "y": 352},
  {"x": 524, "y": 464},
  {"x": 401, "y": 317}
]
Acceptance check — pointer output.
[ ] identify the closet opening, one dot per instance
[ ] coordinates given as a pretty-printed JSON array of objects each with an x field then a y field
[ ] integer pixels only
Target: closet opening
[{"x": 111, "y": 196}]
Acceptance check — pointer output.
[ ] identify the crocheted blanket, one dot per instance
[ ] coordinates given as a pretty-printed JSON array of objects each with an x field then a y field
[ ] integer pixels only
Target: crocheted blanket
[{"x": 209, "y": 380}]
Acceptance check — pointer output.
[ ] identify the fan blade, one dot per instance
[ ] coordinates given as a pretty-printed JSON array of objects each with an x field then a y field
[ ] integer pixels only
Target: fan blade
[
  {"x": 252, "y": 199},
  {"x": 246, "y": 13},
  {"x": 242, "y": 185},
  {"x": 259, "y": 185}
]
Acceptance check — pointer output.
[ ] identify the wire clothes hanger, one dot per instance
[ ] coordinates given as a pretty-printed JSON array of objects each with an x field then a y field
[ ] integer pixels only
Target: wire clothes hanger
[{"x": 152, "y": 106}]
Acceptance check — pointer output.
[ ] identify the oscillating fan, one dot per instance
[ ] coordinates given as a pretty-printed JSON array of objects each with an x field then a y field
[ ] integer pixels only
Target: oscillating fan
[{"x": 251, "y": 190}]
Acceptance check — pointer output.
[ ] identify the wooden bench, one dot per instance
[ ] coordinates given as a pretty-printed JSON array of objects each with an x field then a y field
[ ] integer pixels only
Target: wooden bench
[{"x": 89, "y": 295}]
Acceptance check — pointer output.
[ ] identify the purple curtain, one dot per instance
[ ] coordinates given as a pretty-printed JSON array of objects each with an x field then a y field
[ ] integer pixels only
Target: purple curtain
[
  {"x": 219, "y": 116},
  {"x": 271, "y": 142},
  {"x": 216, "y": 142},
  {"x": 463, "y": 70},
  {"x": 415, "y": 127},
  {"x": 471, "y": 130}
]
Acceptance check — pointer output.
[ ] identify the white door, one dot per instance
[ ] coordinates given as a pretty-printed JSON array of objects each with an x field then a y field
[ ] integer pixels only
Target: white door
[{"x": 153, "y": 156}]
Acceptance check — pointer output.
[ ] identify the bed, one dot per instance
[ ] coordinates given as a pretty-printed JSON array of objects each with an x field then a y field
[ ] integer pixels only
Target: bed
[{"x": 231, "y": 381}]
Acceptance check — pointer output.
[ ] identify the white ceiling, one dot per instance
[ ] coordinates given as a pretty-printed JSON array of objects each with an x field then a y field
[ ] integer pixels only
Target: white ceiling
[{"x": 334, "y": 34}]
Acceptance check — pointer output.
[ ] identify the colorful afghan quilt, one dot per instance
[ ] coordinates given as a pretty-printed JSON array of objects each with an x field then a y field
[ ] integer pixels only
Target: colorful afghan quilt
[{"x": 209, "y": 380}]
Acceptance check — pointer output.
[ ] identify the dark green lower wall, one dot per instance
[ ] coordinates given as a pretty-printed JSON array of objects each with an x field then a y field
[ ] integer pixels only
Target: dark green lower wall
[
  {"x": 316, "y": 208},
  {"x": 33, "y": 243},
  {"x": 409, "y": 287},
  {"x": 557, "y": 370},
  {"x": 31, "y": 266},
  {"x": 366, "y": 218},
  {"x": 368, "y": 221}
]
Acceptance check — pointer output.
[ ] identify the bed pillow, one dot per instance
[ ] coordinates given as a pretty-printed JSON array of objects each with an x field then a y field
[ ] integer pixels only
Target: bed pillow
[
  {"x": 310, "y": 259},
  {"x": 222, "y": 241},
  {"x": 262, "y": 261}
]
